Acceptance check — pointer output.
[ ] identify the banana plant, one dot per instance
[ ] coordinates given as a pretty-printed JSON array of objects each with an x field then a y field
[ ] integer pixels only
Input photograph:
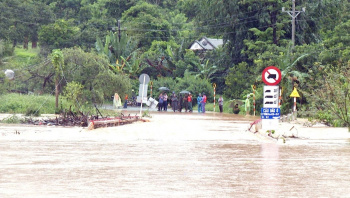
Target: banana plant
[
  {"x": 132, "y": 66},
  {"x": 115, "y": 48},
  {"x": 205, "y": 71}
]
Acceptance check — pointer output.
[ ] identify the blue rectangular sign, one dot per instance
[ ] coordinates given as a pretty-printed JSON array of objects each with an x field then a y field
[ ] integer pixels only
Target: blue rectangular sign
[{"x": 270, "y": 113}]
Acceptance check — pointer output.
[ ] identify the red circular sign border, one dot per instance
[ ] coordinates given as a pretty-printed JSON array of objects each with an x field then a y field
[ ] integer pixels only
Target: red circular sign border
[{"x": 274, "y": 68}]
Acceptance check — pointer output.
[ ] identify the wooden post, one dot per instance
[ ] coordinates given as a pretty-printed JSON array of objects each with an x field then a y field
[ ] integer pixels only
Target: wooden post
[
  {"x": 214, "y": 86},
  {"x": 254, "y": 98}
]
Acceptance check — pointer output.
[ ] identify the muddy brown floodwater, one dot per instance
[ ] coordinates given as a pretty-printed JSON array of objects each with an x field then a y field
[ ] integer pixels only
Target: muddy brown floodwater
[{"x": 174, "y": 155}]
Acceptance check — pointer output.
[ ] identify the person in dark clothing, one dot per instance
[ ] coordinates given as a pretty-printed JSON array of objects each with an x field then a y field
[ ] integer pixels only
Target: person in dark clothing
[
  {"x": 199, "y": 102},
  {"x": 165, "y": 102},
  {"x": 180, "y": 103},
  {"x": 174, "y": 102},
  {"x": 160, "y": 104},
  {"x": 236, "y": 109},
  {"x": 221, "y": 103}
]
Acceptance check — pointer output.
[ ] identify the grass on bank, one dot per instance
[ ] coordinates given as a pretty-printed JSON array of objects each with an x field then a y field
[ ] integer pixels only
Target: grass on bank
[
  {"x": 24, "y": 104},
  {"x": 21, "y": 53},
  {"x": 35, "y": 105},
  {"x": 21, "y": 57}
]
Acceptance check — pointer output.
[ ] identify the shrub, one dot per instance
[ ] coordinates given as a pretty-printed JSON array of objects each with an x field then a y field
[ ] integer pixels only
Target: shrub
[
  {"x": 32, "y": 112},
  {"x": 13, "y": 119}
]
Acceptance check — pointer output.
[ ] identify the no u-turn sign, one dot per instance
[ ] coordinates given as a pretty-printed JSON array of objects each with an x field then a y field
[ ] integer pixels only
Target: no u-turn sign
[{"x": 271, "y": 75}]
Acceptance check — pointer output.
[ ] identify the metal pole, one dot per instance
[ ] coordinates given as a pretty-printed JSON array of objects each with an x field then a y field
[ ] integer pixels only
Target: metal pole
[{"x": 143, "y": 90}]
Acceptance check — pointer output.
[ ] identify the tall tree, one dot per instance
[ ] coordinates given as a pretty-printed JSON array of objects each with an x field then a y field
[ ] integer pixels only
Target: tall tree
[
  {"x": 33, "y": 14},
  {"x": 22, "y": 19},
  {"x": 58, "y": 63},
  {"x": 146, "y": 22}
]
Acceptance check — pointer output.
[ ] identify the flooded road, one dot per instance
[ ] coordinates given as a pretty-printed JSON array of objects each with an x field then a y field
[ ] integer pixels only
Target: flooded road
[{"x": 174, "y": 156}]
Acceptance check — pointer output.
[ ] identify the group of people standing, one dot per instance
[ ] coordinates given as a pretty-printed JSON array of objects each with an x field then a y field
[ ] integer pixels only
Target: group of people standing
[
  {"x": 185, "y": 102},
  {"x": 179, "y": 102}
]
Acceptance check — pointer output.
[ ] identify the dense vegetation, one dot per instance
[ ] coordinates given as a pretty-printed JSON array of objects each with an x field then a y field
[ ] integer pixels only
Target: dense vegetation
[{"x": 98, "y": 47}]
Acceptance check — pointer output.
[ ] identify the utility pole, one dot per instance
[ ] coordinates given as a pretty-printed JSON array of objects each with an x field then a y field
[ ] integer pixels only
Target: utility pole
[
  {"x": 294, "y": 15},
  {"x": 119, "y": 35}
]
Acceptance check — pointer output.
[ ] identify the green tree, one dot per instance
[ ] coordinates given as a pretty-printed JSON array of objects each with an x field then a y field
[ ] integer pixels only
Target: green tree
[
  {"x": 334, "y": 96},
  {"x": 32, "y": 15},
  {"x": 238, "y": 80},
  {"x": 61, "y": 34},
  {"x": 92, "y": 71},
  {"x": 233, "y": 19},
  {"x": 64, "y": 9},
  {"x": 161, "y": 57},
  {"x": 187, "y": 7},
  {"x": 73, "y": 92},
  {"x": 337, "y": 44},
  {"x": 330, "y": 92},
  {"x": 222, "y": 61},
  {"x": 319, "y": 23},
  {"x": 5, "y": 50},
  {"x": 57, "y": 59},
  {"x": 195, "y": 85},
  {"x": 146, "y": 22},
  {"x": 22, "y": 19},
  {"x": 168, "y": 82}
]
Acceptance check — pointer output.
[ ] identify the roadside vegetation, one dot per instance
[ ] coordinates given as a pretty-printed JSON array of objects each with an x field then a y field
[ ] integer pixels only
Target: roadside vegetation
[
  {"x": 82, "y": 52},
  {"x": 29, "y": 104}
]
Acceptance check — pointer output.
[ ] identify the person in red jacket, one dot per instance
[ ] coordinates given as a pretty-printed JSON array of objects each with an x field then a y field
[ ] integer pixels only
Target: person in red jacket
[
  {"x": 185, "y": 102},
  {"x": 189, "y": 99}
]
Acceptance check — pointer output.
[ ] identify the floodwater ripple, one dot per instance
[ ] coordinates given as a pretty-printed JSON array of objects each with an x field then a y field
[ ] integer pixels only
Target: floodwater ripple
[{"x": 170, "y": 163}]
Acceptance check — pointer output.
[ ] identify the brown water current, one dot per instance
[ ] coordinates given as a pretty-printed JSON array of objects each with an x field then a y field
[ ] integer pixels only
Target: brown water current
[{"x": 179, "y": 155}]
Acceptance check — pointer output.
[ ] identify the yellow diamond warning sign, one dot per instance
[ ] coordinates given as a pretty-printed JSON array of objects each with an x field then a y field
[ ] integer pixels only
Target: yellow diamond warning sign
[{"x": 295, "y": 93}]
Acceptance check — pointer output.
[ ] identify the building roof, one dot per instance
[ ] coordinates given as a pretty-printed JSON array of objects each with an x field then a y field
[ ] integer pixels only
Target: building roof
[{"x": 206, "y": 44}]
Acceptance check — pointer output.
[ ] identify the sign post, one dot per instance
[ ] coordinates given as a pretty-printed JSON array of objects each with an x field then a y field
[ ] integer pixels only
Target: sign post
[
  {"x": 144, "y": 80},
  {"x": 271, "y": 113},
  {"x": 295, "y": 95}
]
